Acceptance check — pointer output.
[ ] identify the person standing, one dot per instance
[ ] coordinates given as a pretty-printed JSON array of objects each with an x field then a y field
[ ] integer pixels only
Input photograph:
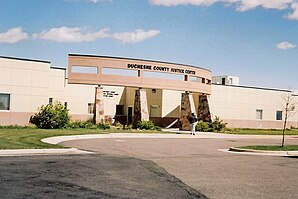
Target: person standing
[{"x": 193, "y": 121}]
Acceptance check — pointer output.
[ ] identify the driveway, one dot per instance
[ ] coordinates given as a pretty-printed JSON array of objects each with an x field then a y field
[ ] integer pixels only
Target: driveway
[
  {"x": 88, "y": 176},
  {"x": 198, "y": 163}
]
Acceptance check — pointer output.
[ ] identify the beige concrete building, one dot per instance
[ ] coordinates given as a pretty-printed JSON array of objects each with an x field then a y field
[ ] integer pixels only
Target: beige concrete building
[
  {"x": 160, "y": 91},
  {"x": 27, "y": 84},
  {"x": 251, "y": 107}
]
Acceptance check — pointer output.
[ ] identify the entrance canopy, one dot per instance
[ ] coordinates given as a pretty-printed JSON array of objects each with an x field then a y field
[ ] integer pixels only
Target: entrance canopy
[{"x": 116, "y": 71}]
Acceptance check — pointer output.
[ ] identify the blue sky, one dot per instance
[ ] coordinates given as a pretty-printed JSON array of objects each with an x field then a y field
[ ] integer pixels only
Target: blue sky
[{"x": 255, "y": 40}]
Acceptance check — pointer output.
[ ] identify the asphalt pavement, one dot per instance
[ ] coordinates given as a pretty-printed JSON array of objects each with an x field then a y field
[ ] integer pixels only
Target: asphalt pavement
[
  {"x": 88, "y": 176},
  {"x": 150, "y": 166},
  {"x": 201, "y": 164}
]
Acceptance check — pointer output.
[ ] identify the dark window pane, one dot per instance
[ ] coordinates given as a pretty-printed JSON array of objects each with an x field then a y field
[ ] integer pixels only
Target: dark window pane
[
  {"x": 4, "y": 102},
  {"x": 90, "y": 108},
  {"x": 119, "y": 109},
  {"x": 278, "y": 115}
]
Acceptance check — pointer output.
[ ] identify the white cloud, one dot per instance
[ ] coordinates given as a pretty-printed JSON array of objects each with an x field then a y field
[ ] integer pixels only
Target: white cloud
[
  {"x": 13, "y": 35},
  {"x": 182, "y": 2},
  {"x": 241, "y": 5},
  {"x": 294, "y": 14},
  {"x": 136, "y": 36},
  {"x": 245, "y": 5},
  {"x": 285, "y": 45},
  {"x": 71, "y": 35},
  {"x": 75, "y": 35}
]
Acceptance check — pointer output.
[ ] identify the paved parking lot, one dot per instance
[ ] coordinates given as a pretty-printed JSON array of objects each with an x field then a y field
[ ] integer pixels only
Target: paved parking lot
[
  {"x": 199, "y": 164},
  {"x": 88, "y": 176}
]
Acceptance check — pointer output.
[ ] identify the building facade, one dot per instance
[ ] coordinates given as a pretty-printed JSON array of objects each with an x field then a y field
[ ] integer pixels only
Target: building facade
[{"x": 126, "y": 90}]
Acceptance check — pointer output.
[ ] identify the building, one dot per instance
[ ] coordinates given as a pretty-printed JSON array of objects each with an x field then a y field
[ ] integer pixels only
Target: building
[
  {"x": 128, "y": 90},
  {"x": 225, "y": 80},
  {"x": 251, "y": 107}
]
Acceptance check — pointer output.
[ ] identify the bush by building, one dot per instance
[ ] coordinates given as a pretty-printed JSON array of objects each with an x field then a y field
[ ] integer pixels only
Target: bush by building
[
  {"x": 148, "y": 125},
  {"x": 88, "y": 124},
  {"x": 216, "y": 126},
  {"x": 51, "y": 116}
]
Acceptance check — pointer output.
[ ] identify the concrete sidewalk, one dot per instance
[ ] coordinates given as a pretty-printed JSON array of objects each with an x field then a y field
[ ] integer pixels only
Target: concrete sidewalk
[
  {"x": 30, "y": 152},
  {"x": 262, "y": 152}
]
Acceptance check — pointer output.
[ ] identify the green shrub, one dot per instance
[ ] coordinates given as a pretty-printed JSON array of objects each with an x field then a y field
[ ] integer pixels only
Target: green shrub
[
  {"x": 87, "y": 125},
  {"x": 76, "y": 124},
  {"x": 118, "y": 125},
  {"x": 128, "y": 127},
  {"x": 104, "y": 126},
  {"x": 216, "y": 126},
  {"x": 51, "y": 116},
  {"x": 157, "y": 128},
  {"x": 203, "y": 126},
  {"x": 148, "y": 125}
]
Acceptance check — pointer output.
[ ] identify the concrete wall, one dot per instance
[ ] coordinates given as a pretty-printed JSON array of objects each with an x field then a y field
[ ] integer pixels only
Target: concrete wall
[
  {"x": 237, "y": 106},
  {"x": 27, "y": 84},
  {"x": 171, "y": 101},
  {"x": 158, "y": 79}
]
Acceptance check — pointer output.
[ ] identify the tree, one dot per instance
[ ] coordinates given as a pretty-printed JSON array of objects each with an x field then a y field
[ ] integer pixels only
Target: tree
[{"x": 289, "y": 107}]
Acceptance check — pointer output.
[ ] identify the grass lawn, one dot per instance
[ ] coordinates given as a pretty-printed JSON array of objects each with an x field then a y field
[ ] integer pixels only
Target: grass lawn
[
  {"x": 29, "y": 138},
  {"x": 262, "y": 132},
  {"x": 273, "y": 148}
]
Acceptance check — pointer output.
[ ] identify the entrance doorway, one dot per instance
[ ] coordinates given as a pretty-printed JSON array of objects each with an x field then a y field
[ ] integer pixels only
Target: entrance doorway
[{"x": 129, "y": 115}]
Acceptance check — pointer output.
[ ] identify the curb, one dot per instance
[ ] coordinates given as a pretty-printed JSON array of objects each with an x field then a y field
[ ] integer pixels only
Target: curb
[
  {"x": 30, "y": 152},
  {"x": 280, "y": 153}
]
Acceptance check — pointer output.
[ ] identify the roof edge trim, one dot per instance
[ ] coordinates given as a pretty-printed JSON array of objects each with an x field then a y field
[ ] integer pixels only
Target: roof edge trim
[
  {"x": 163, "y": 62},
  {"x": 254, "y": 87},
  {"x": 25, "y": 59}
]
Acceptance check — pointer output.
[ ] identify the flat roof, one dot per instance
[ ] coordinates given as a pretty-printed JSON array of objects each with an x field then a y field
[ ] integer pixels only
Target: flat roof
[
  {"x": 163, "y": 62},
  {"x": 254, "y": 87},
  {"x": 25, "y": 59},
  {"x": 58, "y": 68}
]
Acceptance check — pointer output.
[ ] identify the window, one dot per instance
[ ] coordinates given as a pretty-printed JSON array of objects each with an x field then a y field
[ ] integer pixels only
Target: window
[
  {"x": 119, "y": 109},
  {"x": 195, "y": 79},
  {"x": 50, "y": 100},
  {"x": 90, "y": 108},
  {"x": 259, "y": 114},
  {"x": 278, "y": 115},
  {"x": 84, "y": 69},
  {"x": 122, "y": 72},
  {"x": 169, "y": 76},
  {"x": 4, "y": 102},
  {"x": 153, "y": 110}
]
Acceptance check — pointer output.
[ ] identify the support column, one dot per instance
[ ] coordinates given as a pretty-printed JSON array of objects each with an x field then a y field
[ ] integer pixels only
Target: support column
[
  {"x": 98, "y": 106},
  {"x": 140, "y": 107},
  {"x": 204, "y": 110},
  {"x": 187, "y": 107}
]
